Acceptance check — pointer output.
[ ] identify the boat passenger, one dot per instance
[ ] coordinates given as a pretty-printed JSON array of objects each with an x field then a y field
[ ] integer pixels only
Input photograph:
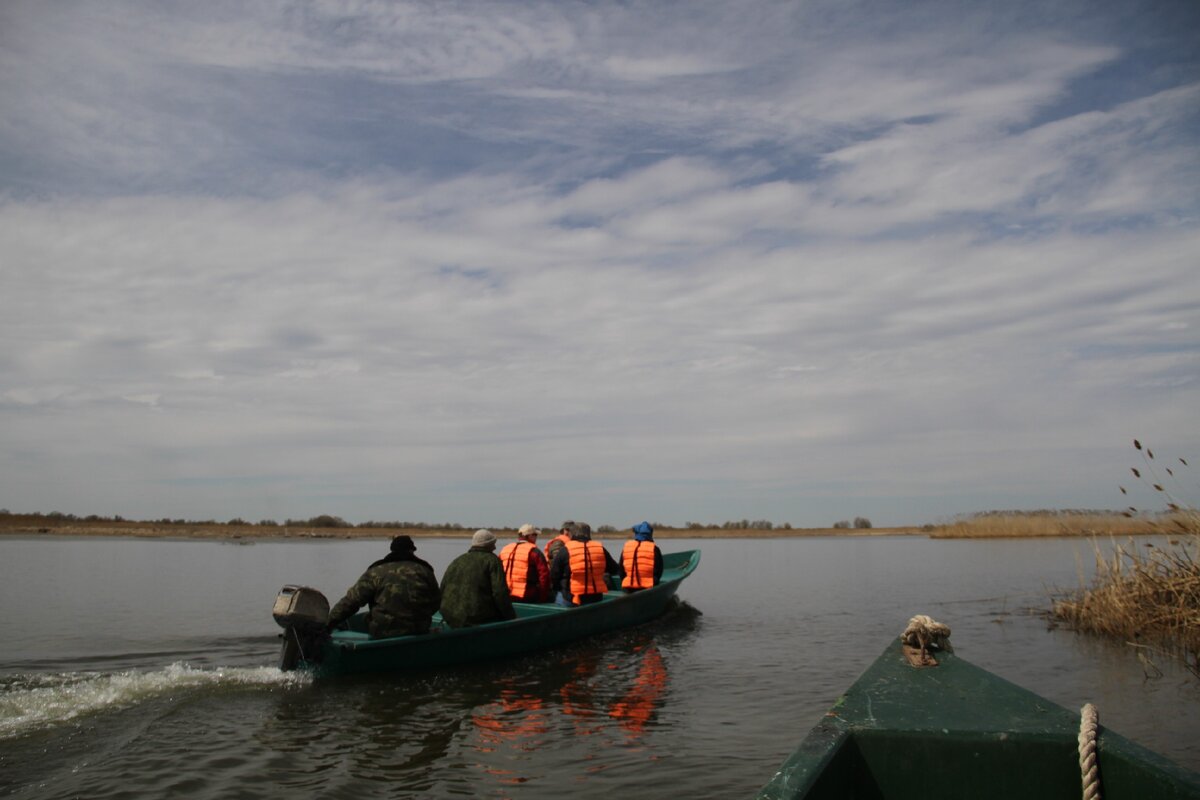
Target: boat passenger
[
  {"x": 580, "y": 569},
  {"x": 525, "y": 568},
  {"x": 400, "y": 589},
  {"x": 641, "y": 560},
  {"x": 473, "y": 589},
  {"x": 555, "y": 545}
]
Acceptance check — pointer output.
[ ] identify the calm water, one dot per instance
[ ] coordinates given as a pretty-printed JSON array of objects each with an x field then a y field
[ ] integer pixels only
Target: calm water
[{"x": 141, "y": 668}]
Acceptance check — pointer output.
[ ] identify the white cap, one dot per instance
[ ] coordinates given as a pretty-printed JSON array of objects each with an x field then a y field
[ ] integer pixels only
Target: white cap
[{"x": 527, "y": 529}]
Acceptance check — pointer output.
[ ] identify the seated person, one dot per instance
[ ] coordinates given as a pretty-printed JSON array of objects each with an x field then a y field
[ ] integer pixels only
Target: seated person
[
  {"x": 555, "y": 545},
  {"x": 473, "y": 589},
  {"x": 525, "y": 568},
  {"x": 579, "y": 570},
  {"x": 401, "y": 590},
  {"x": 641, "y": 560}
]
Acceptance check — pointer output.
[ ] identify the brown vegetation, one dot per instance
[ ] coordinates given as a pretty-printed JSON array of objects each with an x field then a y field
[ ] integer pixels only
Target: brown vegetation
[
  {"x": 1143, "y": 598},
  {"x": 1014, "y": 524},
  {"x": 1150, "y": 597}
]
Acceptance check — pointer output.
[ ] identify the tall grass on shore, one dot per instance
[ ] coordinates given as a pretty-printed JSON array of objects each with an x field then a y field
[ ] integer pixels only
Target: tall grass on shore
[
  {"x": 1027, "y": 524},
  {"x": 1143, "y": 598},
  {"x": 1151, "y": 596}
]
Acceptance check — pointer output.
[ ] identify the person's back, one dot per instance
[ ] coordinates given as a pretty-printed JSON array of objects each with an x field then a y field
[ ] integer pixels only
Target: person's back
[
  {"x": 641, "y": 560},
  {"x": 406, "y": 595},
  {"x": 402, "y": 592},
  {"x": 525, "y": 568},
  {"x": 473, "y": 589},
  {"x": 579, "y": 572},
  {"x": 556, "y": 545}
]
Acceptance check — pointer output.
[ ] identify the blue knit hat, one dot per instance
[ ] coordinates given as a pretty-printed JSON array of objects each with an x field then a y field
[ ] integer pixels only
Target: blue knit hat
[{"x": 643, "y": 532}]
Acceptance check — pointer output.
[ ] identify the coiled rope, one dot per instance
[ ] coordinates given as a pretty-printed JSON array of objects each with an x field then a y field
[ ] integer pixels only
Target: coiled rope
[{"x": 1089, "y": 724}]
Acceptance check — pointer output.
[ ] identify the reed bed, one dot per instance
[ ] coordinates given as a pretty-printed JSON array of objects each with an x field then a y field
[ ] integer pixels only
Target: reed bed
[
  {"x": 1144, "y": 597},
  {"x": 1027, "y": 524},
  {"x": 1147, "y": 597}
]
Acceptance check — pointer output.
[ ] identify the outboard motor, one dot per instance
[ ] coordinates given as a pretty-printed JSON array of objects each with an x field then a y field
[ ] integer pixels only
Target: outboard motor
[{"x": 302, "y": 613}]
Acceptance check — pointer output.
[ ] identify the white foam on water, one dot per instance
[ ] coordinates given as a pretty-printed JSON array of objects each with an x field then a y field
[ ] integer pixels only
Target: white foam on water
[{"x": 33, "y": 702}]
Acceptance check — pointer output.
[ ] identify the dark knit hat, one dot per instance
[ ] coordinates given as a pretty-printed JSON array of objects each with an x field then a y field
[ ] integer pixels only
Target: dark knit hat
[{"x": 403, "y": 544}]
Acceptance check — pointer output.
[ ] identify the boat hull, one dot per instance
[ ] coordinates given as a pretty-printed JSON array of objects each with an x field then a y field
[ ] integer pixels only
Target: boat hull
[
  {"x": 537, "y": 627},
  {"x": 956, "y": 730}
]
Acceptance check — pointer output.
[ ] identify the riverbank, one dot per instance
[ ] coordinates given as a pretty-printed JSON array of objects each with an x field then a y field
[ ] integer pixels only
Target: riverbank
[
  {"x": 1010, "y": 525},
  {"x": 152, "y": 530}
]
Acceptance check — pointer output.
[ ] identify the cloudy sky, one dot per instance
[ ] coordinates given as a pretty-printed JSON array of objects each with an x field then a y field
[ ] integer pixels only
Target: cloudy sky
[{"x": 683, "y": 261}]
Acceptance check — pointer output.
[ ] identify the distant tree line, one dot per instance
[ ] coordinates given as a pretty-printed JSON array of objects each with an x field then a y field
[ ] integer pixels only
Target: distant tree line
[
  {"x": 319, "y": 521},
  {"x": 739, "y": 525},
  {"x": 1046, "y": 512},
  {"x": 332, "y": 521},
  {"x": 441, "y": 526},
  {"x": 59, "y": 516}
]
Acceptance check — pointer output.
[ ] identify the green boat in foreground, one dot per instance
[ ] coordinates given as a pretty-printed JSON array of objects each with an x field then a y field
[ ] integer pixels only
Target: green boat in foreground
[
  {"x": 302, "y": 612},
  {"x": 955, "y": 730}
]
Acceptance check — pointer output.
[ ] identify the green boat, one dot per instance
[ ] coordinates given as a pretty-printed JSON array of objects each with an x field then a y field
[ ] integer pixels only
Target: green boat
[
  {"x": 955, "y": 730},
  {"x": 302, "y": 611}
]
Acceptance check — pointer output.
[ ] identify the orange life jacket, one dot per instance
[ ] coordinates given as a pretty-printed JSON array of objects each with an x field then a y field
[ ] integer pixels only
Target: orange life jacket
[
  {"x": 562, "y": 537},
  {"x": 515, "y": 558},
  {"x": 639, "y": 565},
  {"x": 587, "y": 569}
]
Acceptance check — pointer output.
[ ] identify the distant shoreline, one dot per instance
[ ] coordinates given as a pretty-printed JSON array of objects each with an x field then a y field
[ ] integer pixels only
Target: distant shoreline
[
  {"x": 1018, "y": 529},
  {"x": 143, "y": 530}
]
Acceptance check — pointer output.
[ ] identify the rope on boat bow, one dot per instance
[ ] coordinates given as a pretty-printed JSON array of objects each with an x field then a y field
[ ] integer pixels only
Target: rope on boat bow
[
  {"x": 1089, "y": 725},
  {"x": 923, "y": 634}
]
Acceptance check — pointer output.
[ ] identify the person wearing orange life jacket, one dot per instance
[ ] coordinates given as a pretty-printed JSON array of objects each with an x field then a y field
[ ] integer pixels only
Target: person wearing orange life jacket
[
  {"x": 559, "y": 542},
  {"x": 641, "y": 560},
  {"x": 579, "y": 572},
  {"x": 525, "y": 568}
]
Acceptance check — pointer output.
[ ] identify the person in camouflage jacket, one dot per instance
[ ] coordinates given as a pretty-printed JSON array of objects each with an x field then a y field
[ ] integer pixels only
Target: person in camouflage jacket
[
  {"x": 474, "y": 590},
  {"x": 402, "y": 592}
]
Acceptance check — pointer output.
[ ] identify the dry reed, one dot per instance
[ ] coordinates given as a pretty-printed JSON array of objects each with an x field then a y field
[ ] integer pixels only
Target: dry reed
[
  {"x": 1025, "y": 524},
  {"x": 1150, "y": 596},
  {"x": 1144, "y": 598}
]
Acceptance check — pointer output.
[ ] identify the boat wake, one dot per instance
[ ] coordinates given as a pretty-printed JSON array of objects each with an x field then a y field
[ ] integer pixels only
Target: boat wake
[{"x": 30, "y": 702}]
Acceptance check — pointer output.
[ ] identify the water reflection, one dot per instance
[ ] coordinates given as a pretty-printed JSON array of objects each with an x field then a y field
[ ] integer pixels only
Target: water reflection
[
  {"x": 482, "y": 730},
  {"x": 580, "y": 696},
  {"x": 577, "y": 697},
  {"x": 517, "y": 720},
  {"x": 592, "y": 700},
  {"x": 637, "y": 707}
]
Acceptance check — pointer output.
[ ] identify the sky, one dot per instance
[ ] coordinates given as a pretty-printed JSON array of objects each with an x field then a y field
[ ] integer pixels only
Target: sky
[{"x": 498, "y": 262}]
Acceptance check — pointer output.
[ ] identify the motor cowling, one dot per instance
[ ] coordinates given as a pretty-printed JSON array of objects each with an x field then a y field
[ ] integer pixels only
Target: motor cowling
[
  {"x": 300, "y": 606},
  {"x": 303, "y": 613}
]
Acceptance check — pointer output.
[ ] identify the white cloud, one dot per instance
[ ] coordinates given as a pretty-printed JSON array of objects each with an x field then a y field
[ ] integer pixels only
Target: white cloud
[
  {"x": 651, "y": 69},
  {"x": 815, "y": 259}
]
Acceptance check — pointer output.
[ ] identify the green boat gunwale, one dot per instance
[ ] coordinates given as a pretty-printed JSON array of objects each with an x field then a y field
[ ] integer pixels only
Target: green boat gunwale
[{"x": 958, "y": 730}]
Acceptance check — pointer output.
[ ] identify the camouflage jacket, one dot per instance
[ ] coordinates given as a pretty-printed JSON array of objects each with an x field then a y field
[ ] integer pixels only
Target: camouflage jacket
[
  {"x": 403, "y": 596},
  {"x": 474, "y": 590},
  {"x": 556, "y": 545}
]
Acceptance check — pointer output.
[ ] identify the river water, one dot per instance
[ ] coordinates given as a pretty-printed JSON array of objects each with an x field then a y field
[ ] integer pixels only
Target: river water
[{"x": 138, "y": 668}]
